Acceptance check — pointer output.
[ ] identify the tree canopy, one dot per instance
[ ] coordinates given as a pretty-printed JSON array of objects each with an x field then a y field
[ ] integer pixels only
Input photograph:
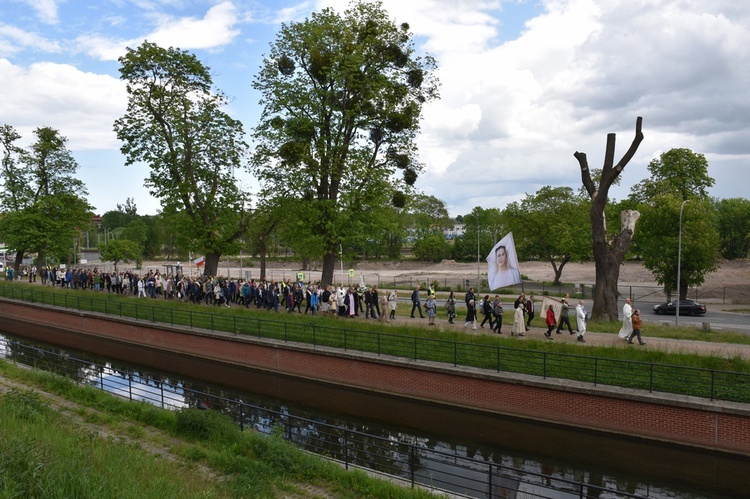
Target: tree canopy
[
  {"x": 658, "y": 241},
  {"x": 45, "y": 203},
  {"x": 678, "y": 171},
  {"x": 342, "y": 99},
  {"x": 552, "y": 224},
  {"x": 678, "y": 175},
  {"x": 175, "y": 124}
]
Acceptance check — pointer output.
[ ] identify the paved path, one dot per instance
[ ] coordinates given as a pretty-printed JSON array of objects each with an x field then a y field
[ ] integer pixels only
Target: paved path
[{"x": 725, "y": 350}]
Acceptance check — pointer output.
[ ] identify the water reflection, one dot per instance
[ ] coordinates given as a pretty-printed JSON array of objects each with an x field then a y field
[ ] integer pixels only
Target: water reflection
[{"x": 499, "y": 457}]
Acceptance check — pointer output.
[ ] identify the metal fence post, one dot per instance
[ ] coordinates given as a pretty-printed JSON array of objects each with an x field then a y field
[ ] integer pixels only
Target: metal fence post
[
  {"x": 489, "y": 479},
  {"x": 651, "y": 378},
  {"x": 596, "y": 368},
  {"x": 346, "y": 449}
]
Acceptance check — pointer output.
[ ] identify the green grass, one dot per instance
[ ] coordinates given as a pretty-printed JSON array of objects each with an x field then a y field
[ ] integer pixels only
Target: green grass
[
  {"x": 45, "y": 453},
  {"x": 636, "y": 368}
]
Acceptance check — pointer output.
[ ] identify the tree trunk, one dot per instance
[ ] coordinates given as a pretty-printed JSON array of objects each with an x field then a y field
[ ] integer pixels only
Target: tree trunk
[
  {"x": 608, "y": 253},
  {"x": 211, "y": 264},
  {"x": 329, "y": 265},
  {"x": 262, "y": 255},
  {"x": 17, "y": 263},
  {"x": 558, "y": 269},
  {"x": 682, "y": 294}
]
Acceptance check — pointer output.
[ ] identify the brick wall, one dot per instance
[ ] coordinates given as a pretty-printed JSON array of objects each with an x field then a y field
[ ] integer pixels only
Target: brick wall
[{"x": 721, "y": 426}]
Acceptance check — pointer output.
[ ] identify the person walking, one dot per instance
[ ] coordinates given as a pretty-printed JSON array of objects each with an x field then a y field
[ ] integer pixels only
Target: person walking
[
  {"x": 529, "y": 310},
  {"x": 627, "y": 325},
  {"x": 416, "y": 302},
  {"x": 487, "y": 311},
  {"x": 431, "y": 308},
  {"x": 450, "y": 307},
  {"x": 392, "y": 304},
  {"x": 565, "y": 317},
  {"x": 384, "y": 304},
  {"x": 471, "y": 315},
  {"x": 519, "y": 324},
  {"x": 581, "y": 319},
  {"x": 497, "y": 311},
  {"x": 551, "y": 321},
  {"x": 637, "y": 326}
]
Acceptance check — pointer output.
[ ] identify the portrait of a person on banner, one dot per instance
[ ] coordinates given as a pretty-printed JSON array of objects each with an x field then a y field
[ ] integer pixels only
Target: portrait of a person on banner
[{"x": 503, "y": 264}]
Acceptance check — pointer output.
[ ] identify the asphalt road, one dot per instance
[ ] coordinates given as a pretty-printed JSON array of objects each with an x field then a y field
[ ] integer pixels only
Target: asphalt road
[{"x": 715, "y": 315}]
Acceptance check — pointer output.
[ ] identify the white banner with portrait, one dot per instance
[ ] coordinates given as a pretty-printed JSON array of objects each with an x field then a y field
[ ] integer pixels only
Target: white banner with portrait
[{"x": 502, "y": 264}]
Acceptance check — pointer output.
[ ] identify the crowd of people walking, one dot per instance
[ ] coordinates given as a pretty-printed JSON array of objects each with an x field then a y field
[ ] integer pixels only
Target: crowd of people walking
[{"x": 335, "y": 301}]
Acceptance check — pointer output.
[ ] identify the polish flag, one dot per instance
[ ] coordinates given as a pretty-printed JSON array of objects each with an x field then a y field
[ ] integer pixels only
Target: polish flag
[{"x": 198, "y": 262}]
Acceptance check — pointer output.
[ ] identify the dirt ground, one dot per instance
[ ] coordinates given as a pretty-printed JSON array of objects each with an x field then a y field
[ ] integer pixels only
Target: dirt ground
[{"x": 730, "y": 283}]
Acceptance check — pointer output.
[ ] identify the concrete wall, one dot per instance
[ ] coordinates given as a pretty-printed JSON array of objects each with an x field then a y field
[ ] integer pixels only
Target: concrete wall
[{"x": 722, "y": 426}]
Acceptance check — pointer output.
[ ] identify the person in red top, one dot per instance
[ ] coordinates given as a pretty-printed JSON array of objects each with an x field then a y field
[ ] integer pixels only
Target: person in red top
[{"x": 551, "y": 322}]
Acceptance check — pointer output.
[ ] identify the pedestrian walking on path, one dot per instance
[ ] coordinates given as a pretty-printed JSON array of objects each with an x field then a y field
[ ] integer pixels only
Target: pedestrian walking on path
[{"x": 637, "y": 325}]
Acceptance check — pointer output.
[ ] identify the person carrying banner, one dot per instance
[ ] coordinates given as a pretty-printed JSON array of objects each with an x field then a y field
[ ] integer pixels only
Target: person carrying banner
[
  {"x": 529, "y": 310},
  {"x": 551, "y": 321},
  {"x": 565, "y": 317}
]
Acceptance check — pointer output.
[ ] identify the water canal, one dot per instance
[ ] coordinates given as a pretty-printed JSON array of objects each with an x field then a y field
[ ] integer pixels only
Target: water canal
[{"x": 627, "y": 465}]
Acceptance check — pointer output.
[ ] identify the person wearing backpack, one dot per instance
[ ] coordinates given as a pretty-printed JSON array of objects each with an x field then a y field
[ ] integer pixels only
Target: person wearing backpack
[{"x": 450, "y": 307}]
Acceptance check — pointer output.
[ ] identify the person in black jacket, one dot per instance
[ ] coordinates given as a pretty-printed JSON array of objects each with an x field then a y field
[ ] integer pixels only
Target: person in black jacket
[
  {"x": 416, "y": 302},
  {"x": 487, "y": 311}
]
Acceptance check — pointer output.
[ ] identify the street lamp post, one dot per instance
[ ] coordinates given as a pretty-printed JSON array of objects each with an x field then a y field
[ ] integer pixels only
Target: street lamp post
[
  {"x": 478, "y": 279},
  {"x": 679, "y": 262}
]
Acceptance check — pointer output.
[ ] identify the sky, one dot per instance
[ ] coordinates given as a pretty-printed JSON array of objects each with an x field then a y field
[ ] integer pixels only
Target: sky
[{"x": 524, "y": 84}]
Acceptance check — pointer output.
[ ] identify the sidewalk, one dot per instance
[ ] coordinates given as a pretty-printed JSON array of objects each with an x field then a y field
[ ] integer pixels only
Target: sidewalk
[{"x": 724, "y": 350}]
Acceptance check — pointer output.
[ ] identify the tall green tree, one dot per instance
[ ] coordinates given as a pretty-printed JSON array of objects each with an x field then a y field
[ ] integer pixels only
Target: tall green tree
[
  {"x": 45, "y": 204},
  {"x": 734, "y": 227},
  {"x": 483, "y": 228},
  {"x": 342, "y": 97},
  {"x": 553, "y": 225},
  {"x": 120, "y": 250},
  {"x": 681, "y": 172},
  {"x": 676, "y": 176},
  {"x": 429, "y": 221},
  {"x": 175, "y": 124},
  {"x": 658, "y": 240}
]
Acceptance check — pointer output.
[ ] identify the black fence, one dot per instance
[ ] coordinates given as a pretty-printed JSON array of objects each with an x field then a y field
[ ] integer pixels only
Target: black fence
[
  {"x": 410, "y": 463},
  {"x": 705, "y": 383}
]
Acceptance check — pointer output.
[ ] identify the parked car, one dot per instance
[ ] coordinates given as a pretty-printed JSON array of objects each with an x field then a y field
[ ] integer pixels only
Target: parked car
[{"x": 687, "y": 307}]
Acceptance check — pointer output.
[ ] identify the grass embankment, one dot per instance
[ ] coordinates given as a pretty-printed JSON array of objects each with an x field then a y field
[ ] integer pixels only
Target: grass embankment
[
  {"x": 102, "y": 446},
  {"x": 252, "y": 321},
  {"x": 646, "y": 369}
]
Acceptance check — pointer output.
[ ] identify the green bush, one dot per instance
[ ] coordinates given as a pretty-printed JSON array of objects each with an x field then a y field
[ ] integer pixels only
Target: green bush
[
  {"x": 25, "y": 404},
  {"x": 199, "y": 424}
]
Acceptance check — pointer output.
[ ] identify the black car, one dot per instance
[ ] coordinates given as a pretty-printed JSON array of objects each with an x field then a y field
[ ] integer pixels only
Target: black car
[{"x": 687, "y": 307}]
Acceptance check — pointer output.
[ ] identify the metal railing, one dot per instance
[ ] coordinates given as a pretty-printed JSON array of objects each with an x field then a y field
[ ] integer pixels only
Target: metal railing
[
  {"x": 406, "y": 459},
  {"x": 704, "y": 383}
]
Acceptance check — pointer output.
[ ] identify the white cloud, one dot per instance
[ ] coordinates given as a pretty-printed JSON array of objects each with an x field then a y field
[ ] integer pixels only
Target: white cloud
[
  {"x": 81, "y": 105},
  {"x": 14, "y": 39},
  {"x": 46, "y": 10},
  {"x": 215, "y": 30}
]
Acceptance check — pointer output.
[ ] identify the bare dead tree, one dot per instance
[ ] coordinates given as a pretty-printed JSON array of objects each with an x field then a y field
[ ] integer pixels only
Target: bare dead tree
[{"x": 608, "y": 253}]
